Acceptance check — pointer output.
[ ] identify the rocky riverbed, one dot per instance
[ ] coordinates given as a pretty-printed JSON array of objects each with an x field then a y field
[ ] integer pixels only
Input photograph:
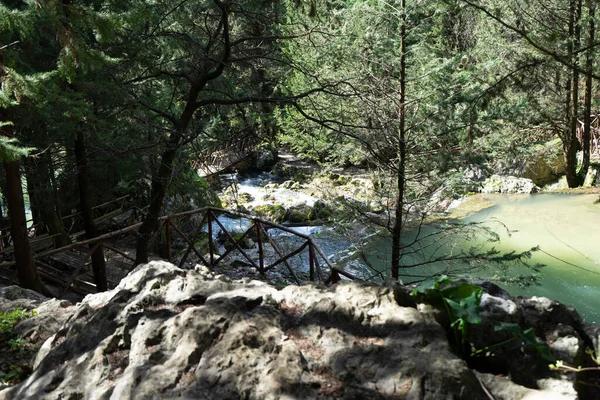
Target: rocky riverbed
[{"x": 167, "y": 333}]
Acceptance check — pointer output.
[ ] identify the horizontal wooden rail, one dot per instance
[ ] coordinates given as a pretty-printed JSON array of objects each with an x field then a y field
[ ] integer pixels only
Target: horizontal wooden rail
[{"x": 177, "y": 235}]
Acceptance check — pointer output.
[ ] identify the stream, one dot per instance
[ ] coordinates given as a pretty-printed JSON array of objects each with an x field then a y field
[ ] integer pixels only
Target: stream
[{"x": 564, "y": 226}]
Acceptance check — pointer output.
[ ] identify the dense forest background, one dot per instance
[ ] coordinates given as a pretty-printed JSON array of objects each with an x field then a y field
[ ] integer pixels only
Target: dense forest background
[{"x": 123, "y": 96}]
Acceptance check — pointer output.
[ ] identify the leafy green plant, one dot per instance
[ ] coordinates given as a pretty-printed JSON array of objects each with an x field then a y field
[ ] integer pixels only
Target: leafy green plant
[
  {"x": 460, "y": 301},
  {"x": 12, "y": 376},
  {"x": 16, "y": 344},
  {"x": 10, "y": 319},
  {"x": 526, "y": 336},
  {"x": 14, "y": 352}
]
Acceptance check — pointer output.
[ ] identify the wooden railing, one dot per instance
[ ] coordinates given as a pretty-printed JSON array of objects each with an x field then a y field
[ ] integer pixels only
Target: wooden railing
[
  {"x": 594, "y": 133},
  {"x": 177, "y": 238},
  {"x": 72, "y": 222}
]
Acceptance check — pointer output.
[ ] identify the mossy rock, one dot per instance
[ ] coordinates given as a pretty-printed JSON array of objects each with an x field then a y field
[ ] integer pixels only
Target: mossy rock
[
  {"x": 299, "y": 213},
  {"x": 342, "y": 180},
  {"x": 546, "y": 163},
  {"x": 245, "y": 198},
  {"x": 321, "y": 211},
  {"x": 245, "y": 244},
  {"x": 271, "y": 212},
  {"x": 291, "y": 185},
  {"x": 202, "y": 246}
]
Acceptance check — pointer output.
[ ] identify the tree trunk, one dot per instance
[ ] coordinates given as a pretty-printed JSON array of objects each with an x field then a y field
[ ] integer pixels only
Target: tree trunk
[
  {"x": 401, "y": 170},
  {"x": 161, "y": 179},
  {"x": 34, "y": 201},
  {"x": 587, "y": 118},
  {"x": 98, "y": 263},
  {"x": 157, "y": 197},
  {"x": 570, "y": 142},
  {"x": 28, "y": 275}
]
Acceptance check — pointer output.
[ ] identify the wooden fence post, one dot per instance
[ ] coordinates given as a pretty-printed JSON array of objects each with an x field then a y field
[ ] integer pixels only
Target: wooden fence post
[
  {"x": 311, "y": 262},
  {"x": 261, "y": 254},
  {"x": 168, "y": 239},
  {"x": 209, "y": 216}
]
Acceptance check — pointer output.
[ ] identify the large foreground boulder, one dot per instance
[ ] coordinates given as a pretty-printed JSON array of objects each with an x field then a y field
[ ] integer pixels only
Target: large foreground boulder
[{"x": 168, "y": 333}]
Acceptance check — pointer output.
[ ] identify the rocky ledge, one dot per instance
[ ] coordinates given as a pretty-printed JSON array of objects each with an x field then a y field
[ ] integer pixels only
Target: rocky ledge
[{"x": 167, "y": 333}]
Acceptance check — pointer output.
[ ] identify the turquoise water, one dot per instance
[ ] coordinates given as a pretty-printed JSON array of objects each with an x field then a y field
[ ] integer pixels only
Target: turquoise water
[{"x": 565, "y": 227}]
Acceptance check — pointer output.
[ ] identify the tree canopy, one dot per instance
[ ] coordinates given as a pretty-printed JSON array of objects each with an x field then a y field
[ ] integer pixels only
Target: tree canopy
[{"x": 124, "y": 96}]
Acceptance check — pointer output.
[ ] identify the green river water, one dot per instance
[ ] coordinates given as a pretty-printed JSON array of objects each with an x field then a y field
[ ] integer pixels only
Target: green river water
[{"x": 567, "y": 229}]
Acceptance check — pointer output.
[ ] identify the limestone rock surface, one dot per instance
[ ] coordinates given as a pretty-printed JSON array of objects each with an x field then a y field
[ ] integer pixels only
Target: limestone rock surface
[
  {"x": 169, "y": 333},
  {"x": 509, "y": 185}
]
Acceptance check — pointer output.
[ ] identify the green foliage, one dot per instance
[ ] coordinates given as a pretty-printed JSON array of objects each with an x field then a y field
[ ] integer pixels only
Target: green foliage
[
  {"x": 527, "y": 337},
  {"x": 8, "y": 320},
  {"x": 14, "y": 375},
  {"x": 13, "y": 351},
  {"x": 460, "y": 301},
  {"x": 10, "y": 151}
]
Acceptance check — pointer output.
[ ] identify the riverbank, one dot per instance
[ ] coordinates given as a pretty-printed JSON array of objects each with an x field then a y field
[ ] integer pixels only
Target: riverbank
[{"x": 517, "y": 223}]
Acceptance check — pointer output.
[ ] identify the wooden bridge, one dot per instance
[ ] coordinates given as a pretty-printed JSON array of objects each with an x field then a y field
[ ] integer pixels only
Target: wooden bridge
[
  {"x": 187, "y": 238},
  {"x": 226, "y": 156}
]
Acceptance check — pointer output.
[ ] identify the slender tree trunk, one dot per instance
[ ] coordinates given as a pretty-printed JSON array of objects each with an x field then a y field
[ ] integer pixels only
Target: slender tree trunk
[
  {"x": 161, "y": 179},
  {"x": 28, "y": 275},
  {"x": 570, "y": 142},
  {"x": 34, "y": 201},
  {"x": 41, "y": 193},
  {"x": 401, "y": 170},
  {"x": 98, "y": 263},
  {"x": 587, "y": 118},
  {"x": 158, "y": 191}
]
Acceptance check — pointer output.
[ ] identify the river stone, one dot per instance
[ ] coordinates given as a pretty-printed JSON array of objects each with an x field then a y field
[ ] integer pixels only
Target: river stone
[
  {"x": 166, "y": 333},
  {"x": 299, "y": 213},
  {"x": 245, "y": 198},
  {"x": 509, "y": 185},
  {"x": 264, "y": 158},
  {"x": 272, "y": 212}
]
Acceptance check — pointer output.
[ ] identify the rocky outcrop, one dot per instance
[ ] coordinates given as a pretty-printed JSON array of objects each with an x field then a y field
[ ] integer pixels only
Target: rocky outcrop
[
  {"x": 546, "y": 163},
  {"x": 543, "y": 163},
  {"x": 167, "y": 333},
  {"x": 509, "y": 185}
]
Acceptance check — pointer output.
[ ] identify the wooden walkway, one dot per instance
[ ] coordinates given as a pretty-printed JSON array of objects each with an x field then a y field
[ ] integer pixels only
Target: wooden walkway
[
  {"x": 184, "y": 239},
  {"x": 226, "y": 156},
  {"x": 107, "y": 216}
]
